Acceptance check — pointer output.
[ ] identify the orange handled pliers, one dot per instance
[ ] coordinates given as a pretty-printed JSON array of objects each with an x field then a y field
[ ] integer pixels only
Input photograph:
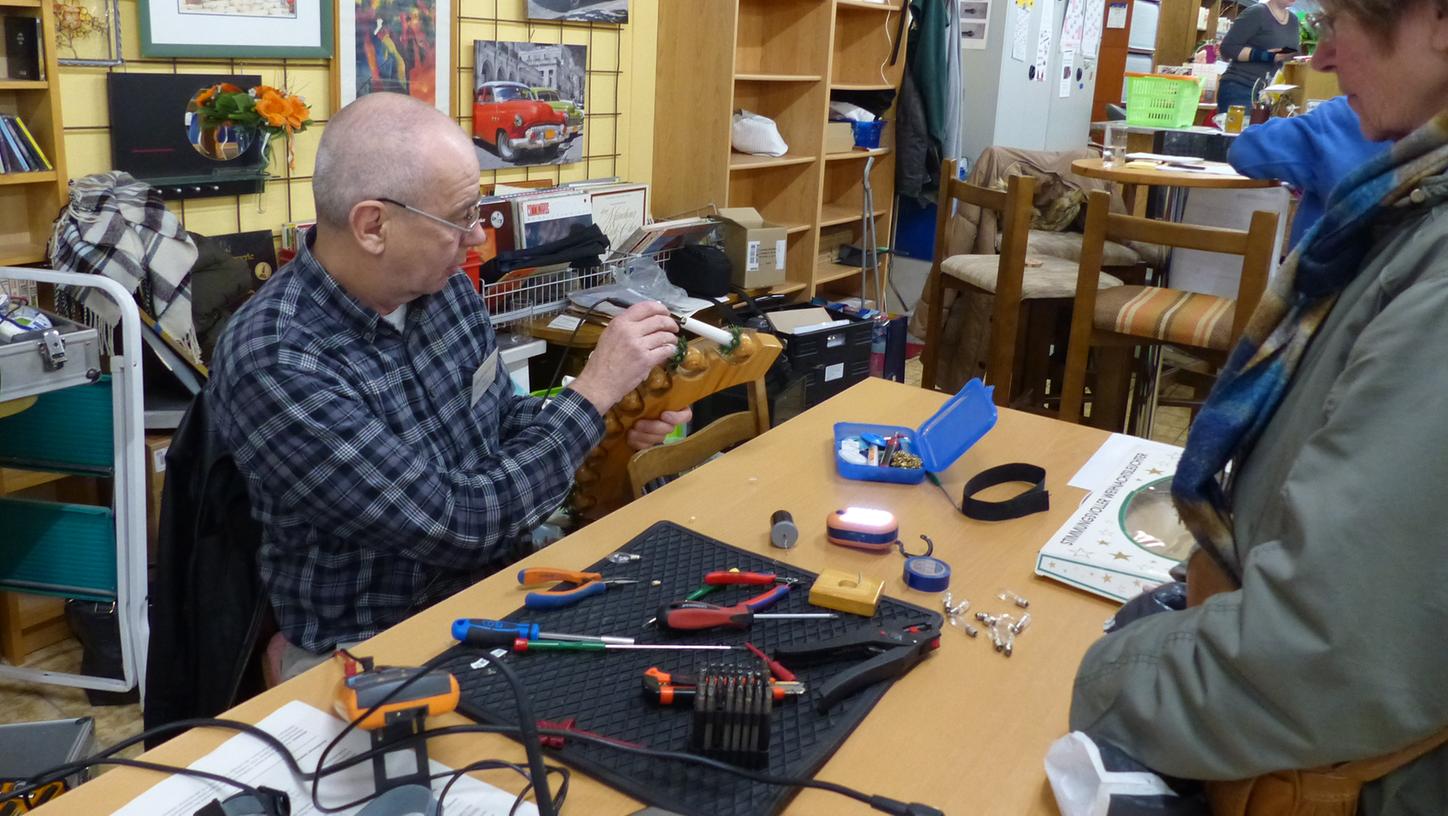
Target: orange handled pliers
[{"x": 584, "y": 584}]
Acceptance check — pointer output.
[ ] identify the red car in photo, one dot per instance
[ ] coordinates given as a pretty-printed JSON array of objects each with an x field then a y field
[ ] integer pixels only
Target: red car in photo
[{"x": 509, "y": 118}]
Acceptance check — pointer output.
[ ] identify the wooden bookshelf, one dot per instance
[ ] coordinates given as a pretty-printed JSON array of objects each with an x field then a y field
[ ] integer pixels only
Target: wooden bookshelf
[
  {"x": 780, "y": 59},
  {"x": 29, "y": 202}
]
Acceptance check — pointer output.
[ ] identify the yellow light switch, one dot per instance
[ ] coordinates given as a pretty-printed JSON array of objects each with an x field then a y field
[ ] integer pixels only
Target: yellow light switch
[{"x": 846, "y": 591}]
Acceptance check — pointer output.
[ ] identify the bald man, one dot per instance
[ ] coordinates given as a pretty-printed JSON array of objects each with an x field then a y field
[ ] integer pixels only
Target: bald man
[{"x": 385, "y": 453}]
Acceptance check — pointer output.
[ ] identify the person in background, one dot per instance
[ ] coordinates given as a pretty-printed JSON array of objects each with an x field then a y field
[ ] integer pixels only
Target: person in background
[
  {"x": 1316, "y": 598},
  {"x": 1262, "y": 37},
  {"x": 1312, "y": 152},
  {"x": 362, "y": 396}
]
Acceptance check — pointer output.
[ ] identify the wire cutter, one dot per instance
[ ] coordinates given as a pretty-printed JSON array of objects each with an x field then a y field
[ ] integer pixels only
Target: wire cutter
[
  {"x": 891, "y": 651},
  {"x": 778, "y": 588},
  {"x": 584, "y": 585}
]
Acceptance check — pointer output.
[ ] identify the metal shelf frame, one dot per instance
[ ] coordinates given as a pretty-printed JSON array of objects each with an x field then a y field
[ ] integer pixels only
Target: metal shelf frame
[{"x": 129, "y": 494}]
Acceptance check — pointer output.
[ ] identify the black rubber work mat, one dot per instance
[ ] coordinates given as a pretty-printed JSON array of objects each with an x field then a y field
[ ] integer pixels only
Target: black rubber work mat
[{"x": 604, "y": 692}]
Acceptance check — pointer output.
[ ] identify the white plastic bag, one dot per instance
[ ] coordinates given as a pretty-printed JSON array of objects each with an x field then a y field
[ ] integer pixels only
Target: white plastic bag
[
  {"x": 752, "y": 133},
  {"x": 1084, "y": 787}
]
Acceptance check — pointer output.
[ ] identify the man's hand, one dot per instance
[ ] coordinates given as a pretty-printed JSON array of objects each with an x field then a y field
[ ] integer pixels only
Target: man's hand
[
  {"x": 643, "y": 336},
  {"x": 647, "y": 433}
]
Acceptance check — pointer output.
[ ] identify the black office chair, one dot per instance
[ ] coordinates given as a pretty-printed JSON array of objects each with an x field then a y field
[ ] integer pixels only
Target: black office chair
[{"x": 210, "y": 619}]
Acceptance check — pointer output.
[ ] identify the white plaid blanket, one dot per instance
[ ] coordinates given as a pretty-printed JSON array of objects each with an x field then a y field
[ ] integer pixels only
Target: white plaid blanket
[{"x": 119, "y": 227}]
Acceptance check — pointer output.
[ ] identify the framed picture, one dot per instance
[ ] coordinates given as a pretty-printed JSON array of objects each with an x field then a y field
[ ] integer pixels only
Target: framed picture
[
  {"x": 528, "y": 103},
  {"x": 88, "y": 32},
  {"x": 403, "y": 46},
  {"x": 583, "y": 11},
  {"x": 236, "y": 28}
]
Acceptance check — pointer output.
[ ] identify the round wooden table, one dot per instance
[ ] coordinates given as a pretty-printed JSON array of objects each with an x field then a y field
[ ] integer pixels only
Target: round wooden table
[{"x": 1140, "y": 175}]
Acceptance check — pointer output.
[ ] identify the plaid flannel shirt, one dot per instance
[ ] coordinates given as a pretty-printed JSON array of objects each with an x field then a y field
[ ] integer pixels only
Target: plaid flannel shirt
[{"x": 383, "y": 484}]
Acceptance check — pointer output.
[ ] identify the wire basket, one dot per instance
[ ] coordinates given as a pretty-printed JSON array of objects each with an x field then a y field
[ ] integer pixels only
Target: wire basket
[
  {"x": 517, "y": 300},
  {"x": 1159, "y": 100}
]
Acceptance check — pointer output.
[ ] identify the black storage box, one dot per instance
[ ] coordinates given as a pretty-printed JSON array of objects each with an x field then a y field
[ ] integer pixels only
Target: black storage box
[{"x": 828, "y": 358}]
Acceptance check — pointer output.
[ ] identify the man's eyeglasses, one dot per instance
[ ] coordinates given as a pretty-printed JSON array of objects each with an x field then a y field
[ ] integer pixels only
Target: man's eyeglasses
[
  {"x": 1323, "y": 23},
  {"x": 472, "y": 218}
]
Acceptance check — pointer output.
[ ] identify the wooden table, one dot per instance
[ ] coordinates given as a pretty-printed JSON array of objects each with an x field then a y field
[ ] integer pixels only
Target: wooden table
[
  {"x": 965, "y": 731},
  {"x": 1136, "y": 176}
]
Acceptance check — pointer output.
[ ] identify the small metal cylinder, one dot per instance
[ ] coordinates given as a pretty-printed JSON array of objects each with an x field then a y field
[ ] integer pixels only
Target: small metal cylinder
[{"x": 782, "y": 531}]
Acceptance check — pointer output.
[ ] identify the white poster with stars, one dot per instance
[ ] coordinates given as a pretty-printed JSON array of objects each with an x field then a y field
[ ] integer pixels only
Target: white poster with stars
[{"x": 1125, "y": 536}]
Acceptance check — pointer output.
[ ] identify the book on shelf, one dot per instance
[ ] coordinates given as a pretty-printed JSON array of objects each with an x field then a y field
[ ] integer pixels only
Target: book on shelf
[
  {"x": 294, "y": 232},
  {"x": 619, "y": 210},
  {"x": 22, "y": 48},
  {"x": 30, "y": 140},
  {"x": 500, "y": 234},
  {"x": 662, "y": 236},
  {"x": 550, "y": 216},
  {"x": 16, "y": 157},
  {"x": 257, "y": 249}
]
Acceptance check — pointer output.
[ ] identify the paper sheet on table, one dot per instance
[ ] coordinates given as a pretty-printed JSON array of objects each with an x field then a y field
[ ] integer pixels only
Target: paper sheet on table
[
  {"x": 594, "y": 299},
  {"x": 1106, "y": 461},
  {"x": 306, "y": 730}
]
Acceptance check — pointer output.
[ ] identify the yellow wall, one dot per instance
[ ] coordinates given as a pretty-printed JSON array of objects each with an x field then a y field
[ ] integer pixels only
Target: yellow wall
[{"x": 620, "y": 145}]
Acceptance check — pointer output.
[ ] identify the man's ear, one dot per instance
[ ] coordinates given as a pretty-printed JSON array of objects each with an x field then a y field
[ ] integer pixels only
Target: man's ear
[{"x": 368, "y": 226}]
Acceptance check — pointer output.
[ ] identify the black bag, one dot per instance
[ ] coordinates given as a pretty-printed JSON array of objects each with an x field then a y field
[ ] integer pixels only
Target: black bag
[
  {"x": 579, "y": 249},
  {"x": 99, "y": 632},
  {"x": 784, "y": 388},
  {"x": 702, "y": 271}
]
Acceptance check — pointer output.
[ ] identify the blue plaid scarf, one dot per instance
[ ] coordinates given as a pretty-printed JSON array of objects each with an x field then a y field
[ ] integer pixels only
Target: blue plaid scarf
[{"x": 1259, "y": 369}]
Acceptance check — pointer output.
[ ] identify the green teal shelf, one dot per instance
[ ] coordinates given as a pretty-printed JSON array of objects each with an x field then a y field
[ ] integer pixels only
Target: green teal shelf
[
  {"x": 54, "y": 548},
  {"x": 66, "y": 431}
]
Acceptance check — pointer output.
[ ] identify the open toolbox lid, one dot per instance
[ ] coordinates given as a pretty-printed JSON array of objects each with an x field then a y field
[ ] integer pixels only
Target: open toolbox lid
[{"x": 960, "y": 423}]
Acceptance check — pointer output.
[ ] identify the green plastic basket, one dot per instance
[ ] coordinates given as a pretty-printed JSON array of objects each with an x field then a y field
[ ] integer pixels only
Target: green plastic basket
[{"x": 1160, "y": 100}]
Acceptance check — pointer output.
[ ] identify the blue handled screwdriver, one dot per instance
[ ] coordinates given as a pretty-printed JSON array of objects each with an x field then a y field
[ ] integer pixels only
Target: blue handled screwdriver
[{"x": 525, "y": 631}]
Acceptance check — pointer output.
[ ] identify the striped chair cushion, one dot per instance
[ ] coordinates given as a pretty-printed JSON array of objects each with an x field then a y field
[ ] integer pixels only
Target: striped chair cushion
[
  {"x": 1169, "y": 315},
  {"x": 1053, "y": 278}
]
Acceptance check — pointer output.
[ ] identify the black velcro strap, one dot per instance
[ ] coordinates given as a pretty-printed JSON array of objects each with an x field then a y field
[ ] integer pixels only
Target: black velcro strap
[{"x": 1034, "y": 500}]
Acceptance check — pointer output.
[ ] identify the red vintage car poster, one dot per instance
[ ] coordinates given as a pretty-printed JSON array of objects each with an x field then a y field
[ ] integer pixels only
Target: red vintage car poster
[{"x": 528, "y": 103}]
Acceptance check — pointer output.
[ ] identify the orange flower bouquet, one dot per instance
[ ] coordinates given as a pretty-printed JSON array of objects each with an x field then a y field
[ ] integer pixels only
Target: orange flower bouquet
[{"x": 263, "y": 109}]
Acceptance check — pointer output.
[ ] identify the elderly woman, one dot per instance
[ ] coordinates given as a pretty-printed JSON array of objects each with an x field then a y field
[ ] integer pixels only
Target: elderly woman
[{"x": 1323, "y": 638}]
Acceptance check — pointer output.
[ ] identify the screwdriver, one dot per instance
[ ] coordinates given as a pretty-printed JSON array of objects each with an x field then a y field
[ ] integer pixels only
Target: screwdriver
[
  {"x": 528, "y": 631},
  {"x": 692, "y": 616},
  {"x": 521, "y": 645}
]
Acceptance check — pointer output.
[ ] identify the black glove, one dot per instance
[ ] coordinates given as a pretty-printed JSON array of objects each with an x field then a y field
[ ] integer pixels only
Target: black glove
[
  {"x": 1263, "y": 55},
  {"x": 1169, "y": 597}
]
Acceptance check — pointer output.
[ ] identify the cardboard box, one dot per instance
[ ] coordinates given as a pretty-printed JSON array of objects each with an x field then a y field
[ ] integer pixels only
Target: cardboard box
[
  {"x": 756, "y": 248},
  {"x": 156, "y": 447},
  {"x": 839, "y": 137},
  {"x": 1311, "y": 84}
]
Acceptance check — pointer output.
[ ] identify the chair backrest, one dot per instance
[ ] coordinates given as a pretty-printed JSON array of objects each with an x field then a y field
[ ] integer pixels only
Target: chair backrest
[
  {"x": 695, "y": 449},
  {"x": 1255, "y": 245},
  {"x": 1014, "y": 206},
  {"x": 600, "y": 485}
]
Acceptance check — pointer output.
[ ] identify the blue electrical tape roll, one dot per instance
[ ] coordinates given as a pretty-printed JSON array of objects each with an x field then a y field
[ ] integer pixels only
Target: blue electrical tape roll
[{"x": 927, "y": 574}]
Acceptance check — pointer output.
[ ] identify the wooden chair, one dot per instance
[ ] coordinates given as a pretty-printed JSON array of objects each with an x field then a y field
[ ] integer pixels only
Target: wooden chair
[
  {"x": 1005, "y": 276},
  {"x": 1117, "y": 320},
  {"x": 694, "y": 450}
]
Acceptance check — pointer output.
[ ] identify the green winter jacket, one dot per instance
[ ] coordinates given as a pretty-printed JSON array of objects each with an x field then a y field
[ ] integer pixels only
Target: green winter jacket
[{"x": 1336, "y": 646}]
